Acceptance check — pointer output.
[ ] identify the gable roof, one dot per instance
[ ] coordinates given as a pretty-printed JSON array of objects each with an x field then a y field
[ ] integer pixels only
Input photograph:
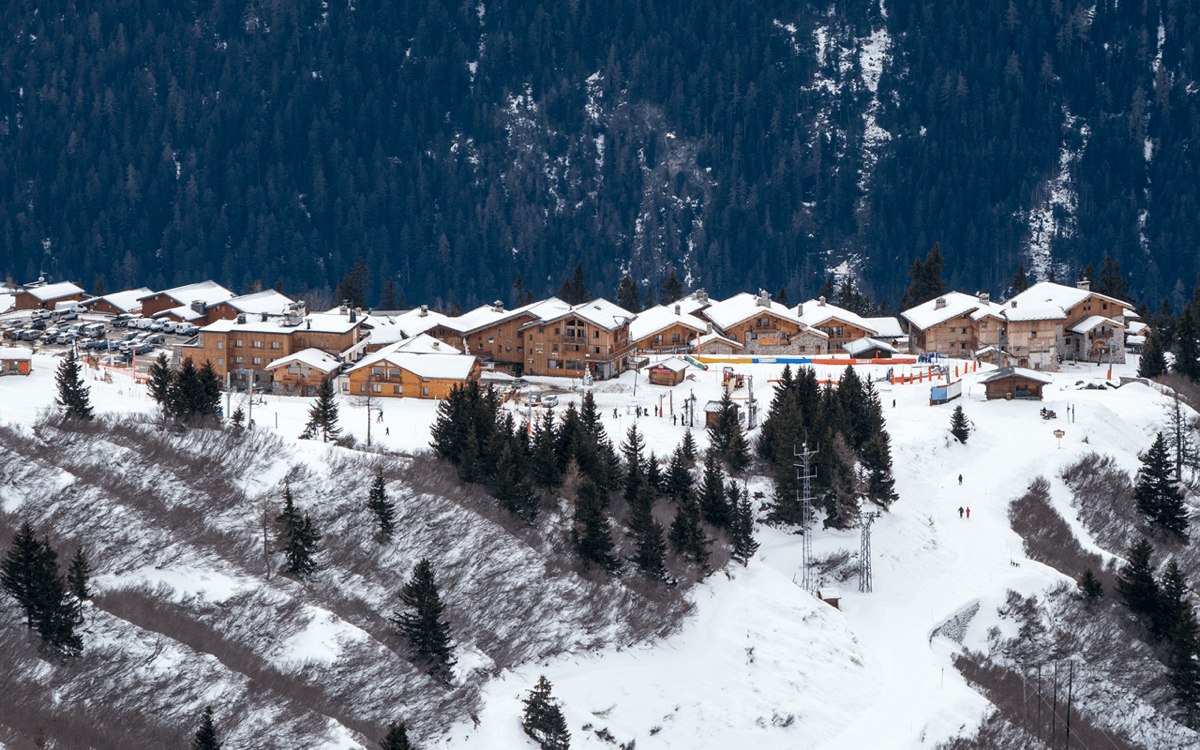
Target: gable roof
[
  {"x": 423, "y": 343},
  {"x": 126, "y": 301},
  {"x": 320, "y": 322},
  {"x": 928, "y": 314},
  {"x": 598, "y": 312},
  {"x": 705, "y": 338},
  {"x": 887, "y": 327},
  {"x": 674, "y": 364},
  {"x": 1047, "y": 300},
  {"x": 209, "y": 292},
  {"x": 415, "y": 321},
  {"x": 483, "y": 317},
  {"x": 857, "y": 346},
  {"x": 266, "y": 301},
  {"x": 1092, "y": 321},
  {"x": 1009, "y": 372},
  {"x": 815, "y": 312},
  {"x": 744, "y": 306},
  {"x": 447, "y": 366},
  {"x": 48, "y": 292},
  {"x": 659, "y": 317},
  {"x": 314, "y": 358}
]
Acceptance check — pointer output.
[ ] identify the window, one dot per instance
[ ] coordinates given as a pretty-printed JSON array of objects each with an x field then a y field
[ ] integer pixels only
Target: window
[
  {"x": 237, "y": 360},
  {"x": 556, "y": 331},
  {"x": 964, "y": 329},
  {"x": 425, "y": 390},
  {"x": 345, "y": 387},
  {"x": 674, "y": 338},
  {"x": 491, "y": 339},
  {"x": 376, "y": 387},
  {"x": 238, "y": 343},
  {"x": 983, "y": 324},
  {"x": 256, "y": 344},
  {"x": 362, "y": 388},
  {"x": 541, "y": 329},
  {"x": 394, "y": 373},
  {"x": 597, "y": 350},
  {"x": 220, "y": 363},
  {"x": 294, "y": 369},
  {"x": 508, "y": 349},
  {"x": 595, "y": 334},
  {"x": 377, "y": 371},
  {"x": 220, "y": 344},
  {"x": 258, "y": 360},
  {"x": 658, "y": 338},
  {"x": 555, "y": 347},
  {"x": 274, "y": 344},
  {"x": 1033, "y": 334},
  {"x": 397, "y": 390}
]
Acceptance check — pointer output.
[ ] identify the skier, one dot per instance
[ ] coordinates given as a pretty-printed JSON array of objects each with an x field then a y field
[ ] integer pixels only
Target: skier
[
  {"x": 968, "y": 514},
  {"x": 960, "y": 511},
  {"x": 960, "y": 479}
]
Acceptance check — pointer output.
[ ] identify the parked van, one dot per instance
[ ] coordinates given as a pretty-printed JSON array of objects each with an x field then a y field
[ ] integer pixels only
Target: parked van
[{"x": 95, "y": 330}]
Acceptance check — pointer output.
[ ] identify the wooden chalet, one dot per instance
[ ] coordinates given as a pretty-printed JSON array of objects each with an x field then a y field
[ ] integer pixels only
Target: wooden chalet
[
  {"x": 765, "y": 327},
  {"x": 15, "y": 360},
  {"x": 268, "y": 301},
  {"x": 302, "y": 373},
  {"x": 1048, "y": 323},
  {"x": 840, "y": 325},
  {"x": 951, "y": 324},
  {"x": 665, "y": 328},
  {"x": 41, "y": 296},
  {"x": 869, "y": 348},
  {"x": 712, "y": 411},
  {"x": 570, "y": 341},
  {"x": 181, "y": 299},
  {"x": 396, "y": 374},
  {"x": 716, "y": 345},
  {"x": 118, "y": 303},
  {"x": 1015, "y": 382},
  {"x": 669, "y": 372}
]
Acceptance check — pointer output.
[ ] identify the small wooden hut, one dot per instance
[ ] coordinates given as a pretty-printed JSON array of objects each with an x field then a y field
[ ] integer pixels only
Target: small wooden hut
[
  {"x": 669, "y": 372},
  {"x": 1015, "y": 382}
]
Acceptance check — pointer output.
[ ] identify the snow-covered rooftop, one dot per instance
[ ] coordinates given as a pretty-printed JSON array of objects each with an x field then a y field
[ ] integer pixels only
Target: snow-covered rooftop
[
  {"x": 1008, "y": 372},
  {"x": 126, "y": 301},
  {"x": 209, "y": 292},
  {"x": 423, "y": 343},
  {"x": 15, "y": 352},
  {"x": 321, "y": 323},
  {"x": 857, "y": 346},
  {"x": 447, "y": 366},
  {"x": 1049, "y": 301},
  {"x": 693, "y": 303},
  {"x": 314, "y": 358},
  {"x": 674, "y": 364},
  {"x": 54, "y": 291},
  {"x": 415, "y": 321},
  {"x": 482, "y": 317},
  {"x": 1092, "y": 321},
  {"x": 655, "y": 319},
  {"x": 815, "y": 312},
  {"x": 743, "y": 306},
  {"x": 267, "y": 301},
  {"x": 953, "y": 304},
  {"x": 887, "y": 327},
  {"x": 714, "y": 336},
  {"x": 183, "y": 312},
  {"x": 600, "y": 312}
]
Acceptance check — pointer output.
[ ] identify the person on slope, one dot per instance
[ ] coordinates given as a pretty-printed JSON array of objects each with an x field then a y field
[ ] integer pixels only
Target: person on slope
[{"x": 960, "y": 511}]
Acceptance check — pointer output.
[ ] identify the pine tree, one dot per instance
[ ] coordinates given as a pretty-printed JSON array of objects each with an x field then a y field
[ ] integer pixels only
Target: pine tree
[
  {"x": 1157, "y": 495},
  {"x": 396, "y": 738},
  {"x": 650, "y": 546},
  {"x": 1110, "y": 282},
  {"x": 1020, "y": 282},
  {"x": 387, "y": 298},
  {"x": 72, "y": 393},
  {"x": 546, "y": 474},
  {"x": 574, "y": 290},
  {"x": 1152, "y": 362},
  {"x": 323, "y": 414},
  {"x": 238, "y": 418},
  {"x": 543, "y": 720},
  {"x": 1135, "y": 582},
  {"x": 426, "y": 632},
  {"x": 671, "y": 289},
  {"x": 1090, "y": 586},
  {"x": 522, "y": 295},
  {"x": 1172, "y": 601},
  {"x": 591, "y": 533},
  {"x": 56, "y": 614},
  {"x": 208, "y": 396},
  {"x": 959, "y": 427},
  {"x": 654, "y": 474},
  {"x": 927, "y": 282},
  {"x": 829, "y": 288},
  {"x": 727, "y": 437},
  {"x": 688, "y": 446},
  {"x": 1187, "y": 341},
  {"x": 627, "y": 295},
  {"x": 1183, "y": 669},
  {"x": 206, "y": 735},
  {"x": 679, "y": 478},
  {"x": 510, "y": 483},
  {"x": 383, "y": 508},
  {"x": 161, "y": 380},
  {"x": 741, "y": 532},
  {"x": 687, "y": 536},
  {"x": 297, "y": 537},
  {"x": 877, "y": 461},
  {"x": 183, "y": 398},
  {"x": 352, "y": 289},
  {"x": 713, "y": 505},
  {"x": 635, "y": 463},
  {"x": 782, "y": 296},
  {"x": 18, "y": 570},
  {"x": 78, "y": 575}
]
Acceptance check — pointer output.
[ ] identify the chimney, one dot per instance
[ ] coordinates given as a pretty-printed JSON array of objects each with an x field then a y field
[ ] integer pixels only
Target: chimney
[
  {"x": 498, "y": 306},
  {"x": 940, "y": 303},
  {"x": 1013, "y": 303},
  {"x": 764, "y": 299},
  {"x": 676, "y": 309},
  {"x": 701, "y": 295},
  {"x": 708, "y": 329},
  {"x": 241, "y": 319},
  {"x": 424, "y": 311},
  {"x": 820, "y": 301},
  {"x": 1084, "y": 284},
  {"x": 354, "y": 316},
  {"x": 800, "y": 309},
  {"x": 985, "y": 297},
  {"x": 308, "y": 324},
  {"x": 198, "y": 306},
  {"x": 264, "y": 317},
  {"x": 343, "y": 309},
  {"x": 437, "y": 344}
]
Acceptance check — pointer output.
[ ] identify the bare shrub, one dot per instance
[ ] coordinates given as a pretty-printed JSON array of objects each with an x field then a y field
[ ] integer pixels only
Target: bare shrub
[
  {"x": 1103, "y": 495},
  {"x": 1047, "y": 537}
]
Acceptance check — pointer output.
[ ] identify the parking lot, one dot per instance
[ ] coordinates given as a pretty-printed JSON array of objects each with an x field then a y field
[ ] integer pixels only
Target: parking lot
[{"x": 115, "y": 341}]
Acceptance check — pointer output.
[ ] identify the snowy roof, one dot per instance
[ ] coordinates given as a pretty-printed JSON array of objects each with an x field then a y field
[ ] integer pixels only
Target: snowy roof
[
  {"x": 547, "y": 309},
  {"x": 448, "y": 366},
  {"x": 744, "y": 306},
  {"x": 423, "y": 343},
  {"x": 1008, "y": 372},
  {"x": 928, "y": 314},
  {"x": 209, "y": 292},
  {"x": 660, "y": 317},
  {"x": 1049, "y": 301},
  {"x": 714, "y": 336},
  {"x": 126, "y": 301},
  {"x": 16, "y": 352},
  {"x": 321, "y": 323},
  {"x": 815, "y": 312},
  {"x": 1135, "y": 327},
  {"x": 829, "y": 592},
  {"x": 674, "y": 364},
  {"x": 712, "y": 407},
  {"x": 887, "y": 327},
  {"x": 417, "y": 321},
  {"x": 183, "y": 312},
  {"x": 54, "y": 291},
  {"x": 7, "y": 302},
  {"x": 857, "y": 346},
  {"x": 693, "y": 303},
  {"x": 600, "y": 312},
  {"x": 482, "y": 317},
  {"x": 266, "y": 301},
  {"x": 1092, "y": 321},
  {"x": 314, "y": 358}
]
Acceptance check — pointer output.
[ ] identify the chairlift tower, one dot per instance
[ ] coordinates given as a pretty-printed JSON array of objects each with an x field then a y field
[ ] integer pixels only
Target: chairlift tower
[
  {"x": 806, "y": 513},
  {"x": 864, "y": 554}
]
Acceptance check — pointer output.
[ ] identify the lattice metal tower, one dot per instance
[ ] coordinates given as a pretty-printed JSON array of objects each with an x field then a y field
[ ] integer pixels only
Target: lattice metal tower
[
  {"x": 864, "y": 554},
  {"x": 806, "y": 513}
]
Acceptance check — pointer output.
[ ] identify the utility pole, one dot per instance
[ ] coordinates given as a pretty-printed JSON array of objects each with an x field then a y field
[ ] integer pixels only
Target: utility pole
[
  {"x": 864, "y": 555},
  {"x": 250, "y": 402},
  {"x": 751, "y": 404},
  {"x": 228, "y": 394},
  {"x": 806, "y": 512}
]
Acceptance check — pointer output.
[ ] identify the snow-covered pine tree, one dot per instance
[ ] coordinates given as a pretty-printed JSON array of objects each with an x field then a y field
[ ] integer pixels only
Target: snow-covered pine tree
[
  {"x": 297, "y": 537},
  {"x": 959, "y": 427},
  {"x": 206, "y": 736},
  {"x": 1135, "y": 582},
  {"x": 591, "y": 533},
  {"x": 383, "y": 508},
  {"x": 876, "y": 457},
  {"x": 396, "y": 738},
  {"x": 238, "y": 418},
  {"x": 72, "y": 393},
  {"x": 727, "y": 437},
  {"x": 161, "y": 379},
  {"x": 323, "y": 414},
  {"x": 1158, "y": 496},
  {"x": 688, "y": 446},
  {"x": 650, "y": 546},
  {"x": 543, "y": 720},
  {"x": 687, "y": 536},
  {"x": 426, "y": 632},
  {"x": 741, "y": 531}
]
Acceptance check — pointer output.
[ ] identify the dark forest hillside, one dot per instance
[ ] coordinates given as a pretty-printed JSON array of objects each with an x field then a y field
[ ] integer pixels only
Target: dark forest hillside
[{"x": 453, "y": 145}]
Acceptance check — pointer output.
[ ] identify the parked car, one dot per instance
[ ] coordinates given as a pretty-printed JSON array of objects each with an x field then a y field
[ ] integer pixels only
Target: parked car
[
  {"x": 38, "y": 325},
  {"x": 129, "y": 336},
  {"x": 121, "y": 320},
  {"x": 40, "y": 314},
  {"x": 143, "y": 349}
]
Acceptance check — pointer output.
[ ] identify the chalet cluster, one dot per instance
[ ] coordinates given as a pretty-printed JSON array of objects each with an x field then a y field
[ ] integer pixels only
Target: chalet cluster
[{"x": 265, "y": 337}]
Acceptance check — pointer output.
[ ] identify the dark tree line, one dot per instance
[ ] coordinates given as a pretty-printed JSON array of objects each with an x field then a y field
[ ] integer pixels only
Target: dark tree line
[
  {"x": 844, "y": 423},
  {"x": 52, "y": 602},
  {"x": 187, "y": 394}
]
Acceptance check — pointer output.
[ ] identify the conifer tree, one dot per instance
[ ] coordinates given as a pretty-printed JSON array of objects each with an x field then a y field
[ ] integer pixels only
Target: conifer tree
[
  {"x": 654, "y": 474},
  {"x": 927, "y": 282},
  {"x": 383, "y": 508},
  {"x": 1020, "y": 281},
  {"x": 510, "y": 482},
  {"x": 396, "y": 738},
  {"x": 635, "y": 463},
  {"x": 18, "y": 570},
  {"x": 78, "y": 575},
  {"x": 209, "y": 392},
  {"x": 161, "y": 380},
  {"x": 782, "y": 296},
  {"x": 1187, "y": 341},
  {"x": 829, "y": 288},
  {"x": 1110, "y": 282},
  {"x": 426, "y": 632},
  {"x": 877, "y": 462},
  {"x": 959, "y": 427},
  {"x": 1183, "y": 669},
  {"x": 387, "y": 298},
  {"x": 72, "y": 393},
  {"x": 206, "y": 735},
  {"x": 741, "y": 531},
  {"x": 591, "y": 533},
  {"x": 323, "y": 414},
  {"x": 574, "y": 290},
  {"x": 1135, "y": 582},
  {"x": 1157, "y": 495},
  {"x": 543, "y": 720},
  {"x": 297, "y": 537},
  {"x": 546, "y": 474},
  {"x": 1152, "y": 362},
  {"x": 1172, "y": 601},
  {"x": 183, "y": 399},
  {"x": 671, "y": 289},
  {"x": 688, "y": 446},
  {"x": 1090, "y": 586},
  {"x": 713, "y": 505},
  {"x": 628, "y": 296},
  {"x": 687, "y": 536},
  {"x": 727, "y": 437},
  {"x": 56, "y": 614},
  {"x": 352, "y": 289},
  {"x": 238, "y": 418},
  {"x": 679, "y": 478},
  {"x": 650, "y": 546}
]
